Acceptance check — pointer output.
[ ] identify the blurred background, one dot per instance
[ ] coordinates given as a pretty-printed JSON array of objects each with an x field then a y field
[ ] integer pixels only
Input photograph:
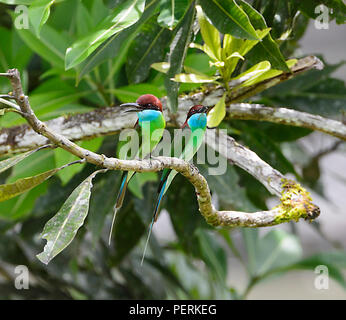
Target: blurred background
[{"x": 187, "y": 259}]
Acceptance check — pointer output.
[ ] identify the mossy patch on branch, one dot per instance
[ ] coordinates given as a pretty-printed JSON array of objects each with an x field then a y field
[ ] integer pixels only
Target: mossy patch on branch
[{"x": 295, "y": 203}]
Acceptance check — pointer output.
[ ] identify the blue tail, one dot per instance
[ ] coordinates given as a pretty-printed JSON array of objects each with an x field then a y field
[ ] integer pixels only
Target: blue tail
[
  {"x": 148, "y": 237},
  {"x": 161, "y": 192},
  {"x": 119, "y": 202},
  {"x": 159, "y": 199},
  {"x": 122, "y": 191}
]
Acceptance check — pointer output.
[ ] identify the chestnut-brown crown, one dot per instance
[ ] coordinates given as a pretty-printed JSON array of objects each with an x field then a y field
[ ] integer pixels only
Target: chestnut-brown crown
[{"x": 150, "y": 101}]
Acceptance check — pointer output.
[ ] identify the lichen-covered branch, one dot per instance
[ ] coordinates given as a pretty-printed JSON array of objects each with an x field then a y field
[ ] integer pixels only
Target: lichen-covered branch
[
  {"x": 295, "y": 203},
  {"x": 245, "y": 111}
]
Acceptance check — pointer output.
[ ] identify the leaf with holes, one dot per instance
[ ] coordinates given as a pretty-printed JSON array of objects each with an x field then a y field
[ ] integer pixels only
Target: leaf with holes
[{"x": 62, "y": 228}]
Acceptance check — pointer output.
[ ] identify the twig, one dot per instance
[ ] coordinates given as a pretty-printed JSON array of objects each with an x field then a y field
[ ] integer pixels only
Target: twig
[{"x": 10, "y": 104}]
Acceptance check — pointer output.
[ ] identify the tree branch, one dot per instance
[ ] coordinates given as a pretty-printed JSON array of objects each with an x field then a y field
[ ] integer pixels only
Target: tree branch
[
  {"x": 107, "y": 121},
  {"x": 295, "y": 201},
  {"x": 245, "y": 111}
]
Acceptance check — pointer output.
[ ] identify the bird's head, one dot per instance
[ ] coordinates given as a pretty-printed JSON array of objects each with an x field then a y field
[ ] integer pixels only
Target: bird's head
[
  {"x": 197, "y": 109},
  {"x": 144, "y": 102}
]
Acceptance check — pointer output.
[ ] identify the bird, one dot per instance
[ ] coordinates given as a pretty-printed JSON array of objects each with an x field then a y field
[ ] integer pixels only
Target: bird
[
  {"x": 196, "y": 120},
  {"x": 152, "y": 122}
]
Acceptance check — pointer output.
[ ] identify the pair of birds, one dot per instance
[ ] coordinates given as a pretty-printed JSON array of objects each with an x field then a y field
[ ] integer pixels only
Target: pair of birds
[{"x": 149, "y": 112}]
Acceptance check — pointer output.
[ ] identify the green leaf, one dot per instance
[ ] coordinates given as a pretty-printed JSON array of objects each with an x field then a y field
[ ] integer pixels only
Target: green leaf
[
  {"x": 276, "y": 249},
  {"x": 10, "y": 162},
  {"x": 102, "y": 202},
  {"x": 128, "y": 229},
  {"x": 62, "y": 156},
  {"x": 51, "y": 99},
  {"x": 216, "y": 115},
  {"x": 306, "y": 80},
  {"x": 13, "y": 51},
  {"x": 193, "y": 78},
  {"x": 8, "y": 191},
  {"x": 335, "y": 261},
  {"x": 183, "y": 210},
  {"x": 227, "y": 186},
  {"x": 161, "y": 66},
  {"x": 171, "y": 11},
  {"x": 51, "y": 45},
  {"x": 235, "y": 49},
  {"x": 167, "y": 273},
  {"x": 25, "y": 2},
  {"x": 250, "y": 76},
  {"x": 121, "y": 18},
  {"x": 85, "y": 22},
  {"x": 62, "y": 228},
  {"x": 147, "y": 48},
  {"x": 327, "y": 98},
  {"x": 270, "y": 73},
  {"x": 267, "y": 49},
  {"x": 177, "y": 55},
  {"x": 337, "y": 9},
  {"x": 200, "y": 63},
  {"x": 235, "y": 55},
  {"x": 251, "y": 239},
  {"x": 263, "y": 144},
  {"x": 229, "y": 18},
  {"x": 144, "y": 203},
  {"x": 313, "y": 92},
  {"x": 39, "y": 12},
  {"x": 213, "y": 254},
  {"x": 117, "y": 45},
  {"x": 19, "y": 207},
  {"x": 37, "y": 163},
  {"x": 210, "y": 35},
  {"x": 139, "y": 180}
]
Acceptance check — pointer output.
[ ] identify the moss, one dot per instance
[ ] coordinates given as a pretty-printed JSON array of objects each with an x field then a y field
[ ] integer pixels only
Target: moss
[{"x": 295, "y": 203}]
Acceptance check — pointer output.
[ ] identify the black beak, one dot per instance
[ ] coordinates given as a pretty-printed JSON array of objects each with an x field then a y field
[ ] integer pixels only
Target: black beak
[
  {"x": 207, "y": 109},
  {"x": 135, "y": 107}
]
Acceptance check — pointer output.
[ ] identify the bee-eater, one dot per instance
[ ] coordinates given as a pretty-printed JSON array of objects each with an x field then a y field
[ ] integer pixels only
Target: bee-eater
[
  {"x": 152, "y": 122},
  {"x": 196, "y": 120}
]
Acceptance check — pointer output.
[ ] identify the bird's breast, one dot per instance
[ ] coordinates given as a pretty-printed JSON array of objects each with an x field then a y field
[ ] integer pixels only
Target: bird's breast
[
  {"x": 151, "y": 116},
  {"x": 197, "y": 121}
]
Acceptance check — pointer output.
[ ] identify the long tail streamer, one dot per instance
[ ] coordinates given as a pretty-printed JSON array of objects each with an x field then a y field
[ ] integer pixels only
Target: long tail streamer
[
  {"x": 154, "y": 218},
  {"x": 119, "y": 202}
]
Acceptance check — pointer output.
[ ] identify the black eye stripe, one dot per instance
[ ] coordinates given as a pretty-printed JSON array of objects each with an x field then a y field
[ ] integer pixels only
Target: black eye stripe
[
  {"x": 192, "y": 112},
  {"x": 150, "y": 106}
]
